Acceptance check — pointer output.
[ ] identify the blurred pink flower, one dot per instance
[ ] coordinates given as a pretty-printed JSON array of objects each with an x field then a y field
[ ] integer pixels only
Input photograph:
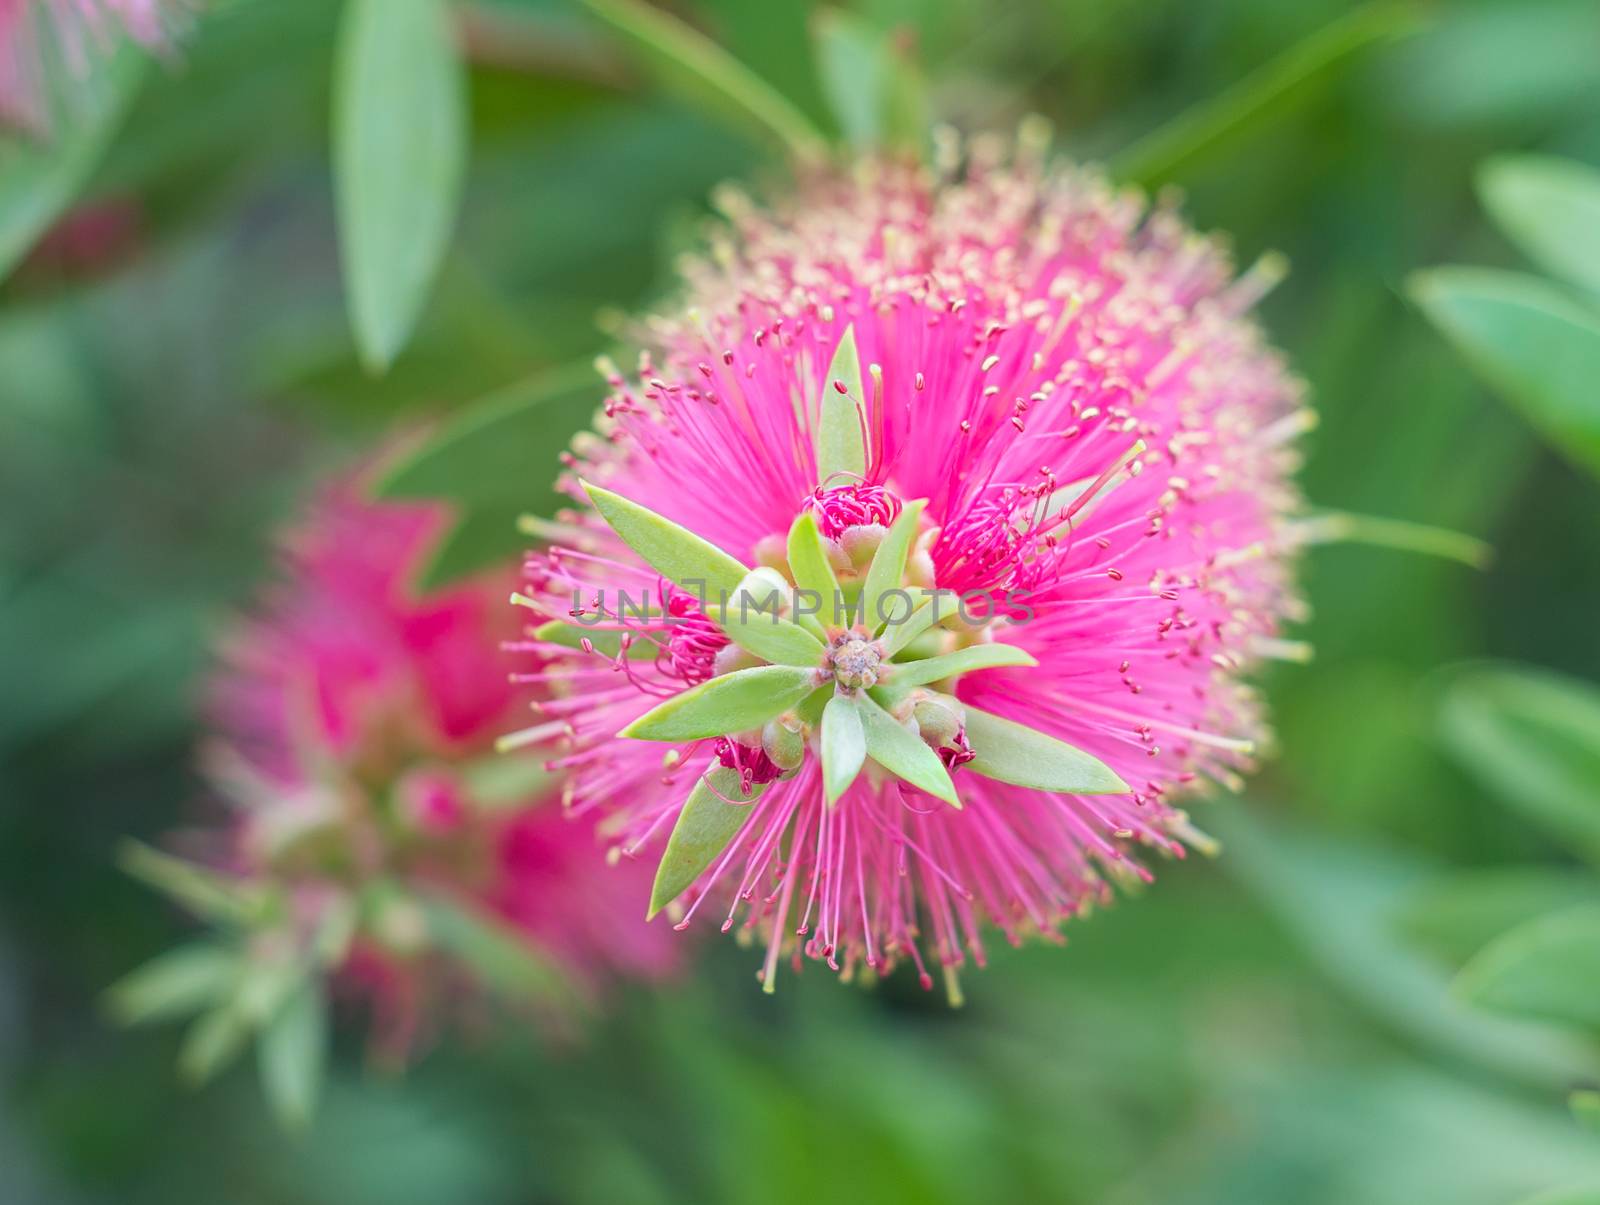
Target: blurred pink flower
[
  {"x": 35, "y": 35},
  {"x": 1099, "y": 431},
  {"x": 355, "y": 722}
]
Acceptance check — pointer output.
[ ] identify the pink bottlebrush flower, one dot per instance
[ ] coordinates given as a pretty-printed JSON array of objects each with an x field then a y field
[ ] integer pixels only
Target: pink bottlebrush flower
[
  {"x": 356, "y": 722},
  {"x": 1065, "y": 417},
  {"x": 38, "y": 35}
]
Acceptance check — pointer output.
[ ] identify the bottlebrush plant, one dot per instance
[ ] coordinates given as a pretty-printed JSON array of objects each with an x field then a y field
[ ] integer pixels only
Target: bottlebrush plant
[
  {"x": 917, "y": 572},
  {"x": 376, "y": 848}
]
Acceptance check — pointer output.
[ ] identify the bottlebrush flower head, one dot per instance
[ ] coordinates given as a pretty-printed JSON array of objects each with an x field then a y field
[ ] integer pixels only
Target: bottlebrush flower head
[
  {"x": 39, "y": 36},
  {"x": 1022, "y": 433},
  {"x": 377, "y": 836}
]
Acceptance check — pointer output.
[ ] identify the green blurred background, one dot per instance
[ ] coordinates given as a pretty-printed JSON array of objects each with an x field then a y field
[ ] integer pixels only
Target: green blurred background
[{"x": 1271, "y": 1026}]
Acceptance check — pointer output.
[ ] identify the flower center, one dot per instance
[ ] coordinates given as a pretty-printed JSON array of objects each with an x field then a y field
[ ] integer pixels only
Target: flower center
[
  {"x": 855, "y": 661},
  {"x": 842, "y": 507},
  {"x": 693, "y": 641}
]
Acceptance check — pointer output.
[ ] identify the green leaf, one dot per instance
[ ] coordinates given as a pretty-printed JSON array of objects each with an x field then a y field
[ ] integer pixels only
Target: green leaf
[
  {"x": 808, "y": 562},
  {"x": 841, "y": 417},
  {"x": 1532, "y": 737},
  {"x": 293, "y": 1054},
  {"x": 876, "y": 94},
  {"x": 888, "y": 568},
  {"x": 844, "y": 745},
  {"x": 704, "y": 829},
  {"x": 211, "y": 1043},
  {"x": 1403, "y": 536},
  {"x": 1546, "y": 969},
  {"x": 978, "y": 656},
  {"x": 940, "y": 605},
  {"x": 495, "y": 953},
  {"x": 399, "y": 161},
  {"x": 175, "y": 984},
  {"x": 752, "y": 622},
  {"x": 39, "y": 180},
  {"x": 904, "y": 753},
  {"x": 674, "y": 552},
  {"x": 1266, "y": 95},
  {"x": 208, "y": 895},
  {"x": 506, "y": 781},
  {"x": 1528, "y": 340},
  {"x": 1337, "y": 902},
  {"x": 1458, "y": 914},
  {"x": 494, "y": 460},
  {"x": 1009, "y": 752},
  {"x": 735, "y": 702},
  {"x": 1549, "y": 207},
  {"x": 707, "y": 76}
]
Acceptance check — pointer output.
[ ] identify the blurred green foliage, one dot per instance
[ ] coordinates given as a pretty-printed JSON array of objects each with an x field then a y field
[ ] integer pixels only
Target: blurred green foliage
[{"x": 1273, "y": 1026}]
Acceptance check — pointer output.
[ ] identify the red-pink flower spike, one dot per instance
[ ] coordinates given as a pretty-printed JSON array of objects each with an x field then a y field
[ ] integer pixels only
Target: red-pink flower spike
[
  {"x": 352, "y": 714},
  {"x": 1102, "y": 437}
]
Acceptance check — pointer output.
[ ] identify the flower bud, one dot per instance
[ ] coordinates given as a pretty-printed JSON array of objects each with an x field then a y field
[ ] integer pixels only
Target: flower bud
[
  {"x": 772, "y": 552},
  {"x": 295, "y": 828},
  {"x": 784, "y": 742},
  {"x": 940, "y": 719},
  {"x": 732, "y": 657},
  {"x": 919, "y": 565},
  {"x": 860, "y": 543},
  {"x": 763, "y": 590},
  {"x": 397, "y": 921},
  {"x": 428, "y": 801}
]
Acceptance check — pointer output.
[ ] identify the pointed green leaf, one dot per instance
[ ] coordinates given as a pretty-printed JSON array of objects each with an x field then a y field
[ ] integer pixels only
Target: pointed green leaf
[
  {"x": 941, "y": 604},
  {"x": 709, "y": 77},
  {"x": 498, "y": 955},
  {"x": 493, "y": 460},
  {"x": 1337, "y": 901},
  {"x": 204, "y": 892},
  {"x": 1456, "y": 915},
  {"x": 505, "y": 781},
  {"x": 674, "y": 552},
  {"x": 605, "y": 643},
  {"x": 888, "y": 570},
  {"x": 1266, "y": 95},
  {"x": 851, "y": 66},
  {"x": 877, "y": 95},
  {"x": 293, "y": 1052},
  {"x": 1532, "y": 737},
  {"x": 176, "y": 984},
  {"x": 751, "y": 621},
  {"x": 1546, "y": 969},
  {"x": 844, "y": 745},
  {"x": 809, "y": 710},
  {"x": 734, "y": 702},
  {"x": 979, "y": 656},
  {"x": 399, "y": 157},
  {"x": 1549, "y": 207},
  {"x": 1399, "y": 534},
  {"x": 704, "y": 829},
  {"x": 1010, "y": 752},
  {"x": 39, "y": 179},
  {"x": 808, "y": 562},
  {"x": 841, "y": 418},
  {"x": 1530, "y": 341},
  {"x": 904, "y": 753},
  {"x": 211, "y": 1043}
]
